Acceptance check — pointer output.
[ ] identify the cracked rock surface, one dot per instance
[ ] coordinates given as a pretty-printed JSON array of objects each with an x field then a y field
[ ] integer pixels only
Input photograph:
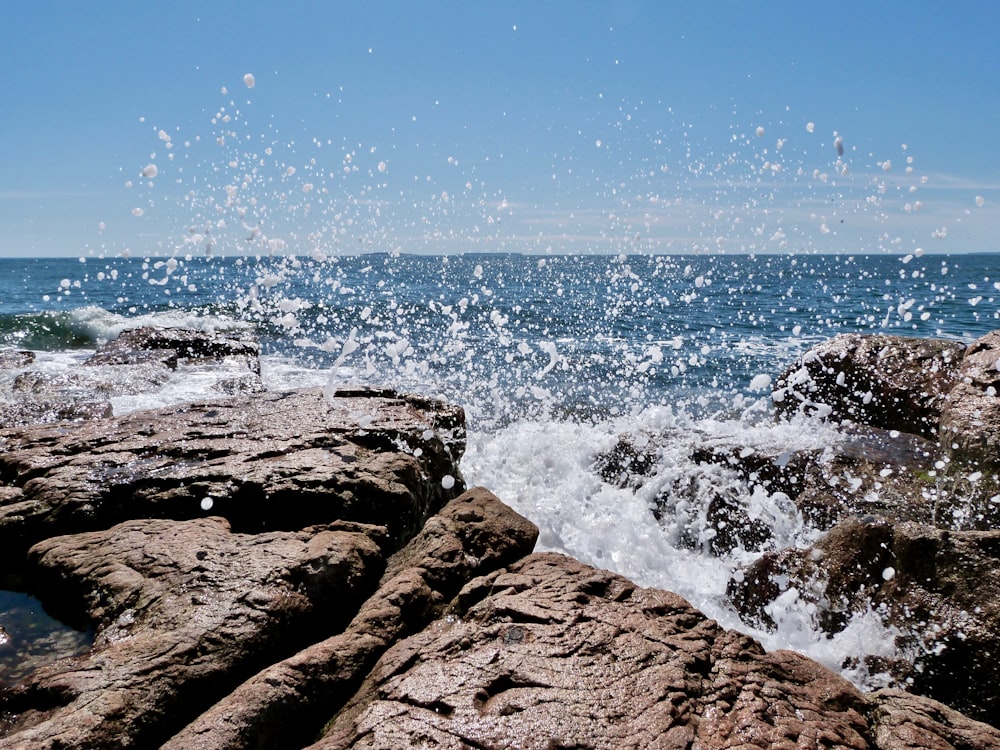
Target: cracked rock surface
[{"x": 553, "y": 653}]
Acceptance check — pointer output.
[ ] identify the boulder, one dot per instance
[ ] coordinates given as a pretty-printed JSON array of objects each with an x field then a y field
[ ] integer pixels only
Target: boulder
[
  {"x": 14, "y": 359},
  {"x": 892, "y": 382},
  {"x": 288, "y": 703},
  {"x": 970, "y": 420},
  {"x": 553, "y": 653},
  {"x": 241, "y": 637},
  {"x": 939, "y": 589},
  {"x": 942, "y": 390},
  {"x": 168, "y": 346},
  {"x": 183, "y": 611}
]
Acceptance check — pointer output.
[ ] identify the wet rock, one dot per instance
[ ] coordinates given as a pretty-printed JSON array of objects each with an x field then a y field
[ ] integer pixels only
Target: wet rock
[
  {"x": 892, "y": 382},
  {"x": 629, "y": 461},
  {"x": 14, "y": 359},
  {"x": 901, "y": 721},
  {"x": 553, "y": 653},
  {"x": 43, "y": 412},
  {"x": 870, "y": 472},
  {"x": 940, "y": 589},
  {"x": 139, "y": 361},
  {"x": 170, "y": 345},
  {"x": 970, "y": 421}
]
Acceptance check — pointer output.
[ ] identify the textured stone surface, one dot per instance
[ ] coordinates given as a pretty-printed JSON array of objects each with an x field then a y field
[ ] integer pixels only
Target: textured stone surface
[
  {"x": 170, "y": 345},
  {"x": 893, "y": 382},
  {"x": 183, "y": 610},
  {"x": 205, "y": 542},
  {"x": 970, "y": 423},
  {"x": 553, "y": 653},
  {"x": 286, "y": 704},
  {"x": 277, "y": 460}
]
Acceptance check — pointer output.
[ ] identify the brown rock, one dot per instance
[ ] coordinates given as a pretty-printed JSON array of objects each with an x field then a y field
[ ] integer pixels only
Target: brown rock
[
  {"x": 274, "y": 461},
  {"x": 14, "y": 359},
  {"x": 553, "y": 653},
  {"x": 892, "y": 382},
  {"x": 168, "y": 345},
  {"x": 25, "y": 413},
  {"x": 970, "y": 421},
  {"x": 183, "y": 611},
  {"x": 288, "y": 703},
  {"x": 902, "y": 721}
]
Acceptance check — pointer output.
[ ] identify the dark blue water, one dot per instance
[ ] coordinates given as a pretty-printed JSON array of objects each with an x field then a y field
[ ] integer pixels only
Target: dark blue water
[{"x": 575, "y": 334}]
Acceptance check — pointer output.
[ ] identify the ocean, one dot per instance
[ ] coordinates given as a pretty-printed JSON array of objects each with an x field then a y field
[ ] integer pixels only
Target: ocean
[{"x": 553, "y": 357}]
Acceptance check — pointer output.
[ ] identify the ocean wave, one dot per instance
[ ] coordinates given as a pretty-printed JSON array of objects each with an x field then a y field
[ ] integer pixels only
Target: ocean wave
[{"x": 91, "y": 326}]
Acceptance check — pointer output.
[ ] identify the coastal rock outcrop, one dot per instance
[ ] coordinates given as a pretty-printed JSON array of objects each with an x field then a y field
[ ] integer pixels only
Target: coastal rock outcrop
[
  {"x": 300, "y": 569},
  {"x": 202, "y": 543},
  {"x": 970, "y": 420},
  {"x": 553, "y": 653},
  {"x": 905, "y": 485},
  {"x": 914, "y": 522},
  {"x": 939, "y": 589},
  {"x": 272, "y": 461},
  {"x": 892, "y": 382}
]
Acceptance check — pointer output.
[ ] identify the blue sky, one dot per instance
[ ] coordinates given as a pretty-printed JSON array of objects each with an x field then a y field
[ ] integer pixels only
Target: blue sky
[{"x": 519, "y": 126}]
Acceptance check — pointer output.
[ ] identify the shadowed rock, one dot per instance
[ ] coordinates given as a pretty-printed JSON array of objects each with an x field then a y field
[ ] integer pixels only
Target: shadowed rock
[
  {"x": 939, "y": 589},
  {"x": 970, "y": 422}
]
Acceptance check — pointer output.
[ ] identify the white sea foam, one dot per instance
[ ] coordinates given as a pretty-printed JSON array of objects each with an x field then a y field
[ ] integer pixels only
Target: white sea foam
[{"x": 545, "y": 471}]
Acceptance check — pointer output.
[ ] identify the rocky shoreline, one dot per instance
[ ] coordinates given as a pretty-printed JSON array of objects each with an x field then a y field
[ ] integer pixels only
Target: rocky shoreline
[{"x": 302, "y": 569}]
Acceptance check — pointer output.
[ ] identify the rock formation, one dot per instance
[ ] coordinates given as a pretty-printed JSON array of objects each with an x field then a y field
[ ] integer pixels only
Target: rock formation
[
  {"x": 916, "y": 525},
  {"x": 295, "y": 570}
]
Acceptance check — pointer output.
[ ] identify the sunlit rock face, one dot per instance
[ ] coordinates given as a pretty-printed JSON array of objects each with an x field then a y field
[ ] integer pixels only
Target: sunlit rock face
[
  {"x": 970, "y": 421},
  {"x": 892, "y": 382},
  {"x": 203, "y": 542}
]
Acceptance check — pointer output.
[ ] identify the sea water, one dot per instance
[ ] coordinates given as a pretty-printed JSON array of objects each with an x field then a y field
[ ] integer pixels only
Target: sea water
[{"x": 553, "y": 357}]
